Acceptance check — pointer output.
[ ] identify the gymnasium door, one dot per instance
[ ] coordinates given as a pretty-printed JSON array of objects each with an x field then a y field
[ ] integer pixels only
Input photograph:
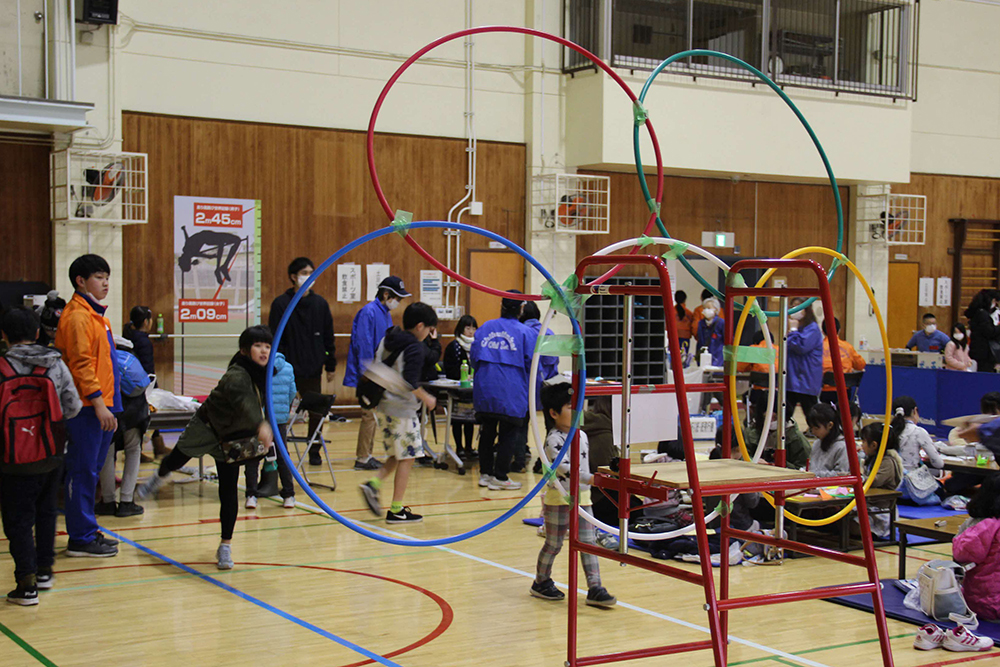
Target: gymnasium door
[
  {"x": 904, "y": 286},
  {"x": 499, "y": 269}
]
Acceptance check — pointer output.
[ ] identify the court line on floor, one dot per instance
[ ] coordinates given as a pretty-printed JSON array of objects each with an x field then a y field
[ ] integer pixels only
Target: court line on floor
[
  {"x": 626, "y": 605},
  {"x": 820, "y": 649},
  {"x": 983, "y": 656},
  {"x": 260, "y": 603},
  {"x": 28, "y": 648}
]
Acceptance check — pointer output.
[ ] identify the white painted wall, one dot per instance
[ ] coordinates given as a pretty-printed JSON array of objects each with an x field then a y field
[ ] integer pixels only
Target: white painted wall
[{"x": 956, "y": 119}]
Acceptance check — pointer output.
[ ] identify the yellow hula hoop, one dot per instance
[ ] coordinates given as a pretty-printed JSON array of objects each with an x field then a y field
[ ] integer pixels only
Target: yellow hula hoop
[{"x": 731, "y": 379}]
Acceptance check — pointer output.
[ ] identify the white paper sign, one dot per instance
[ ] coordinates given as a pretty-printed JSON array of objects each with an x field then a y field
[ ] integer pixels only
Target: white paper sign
[
  {"x": 430, "y": 287},
  {"x": 654, "y": 418},
  {"x": 926, "y": 297},
  {"x": 348, "y": 283},
  {"x": 944, "y": 291},
  {"x": 376, "y": 274}
]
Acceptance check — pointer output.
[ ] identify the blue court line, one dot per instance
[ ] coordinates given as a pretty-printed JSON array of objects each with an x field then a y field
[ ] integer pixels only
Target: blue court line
[{"x": 260, "y": 603}]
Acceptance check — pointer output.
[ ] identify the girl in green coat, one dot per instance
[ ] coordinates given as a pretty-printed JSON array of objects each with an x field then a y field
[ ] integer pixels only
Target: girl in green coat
[{"x": 232, "y": 412}]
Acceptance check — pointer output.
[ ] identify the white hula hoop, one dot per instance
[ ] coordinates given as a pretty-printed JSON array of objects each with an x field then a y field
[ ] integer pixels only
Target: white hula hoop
[{"x": 533, "y": 416}]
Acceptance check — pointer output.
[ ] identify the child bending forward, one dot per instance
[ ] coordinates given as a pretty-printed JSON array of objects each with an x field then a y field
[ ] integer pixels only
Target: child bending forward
[{"x": 557, "y": 511}]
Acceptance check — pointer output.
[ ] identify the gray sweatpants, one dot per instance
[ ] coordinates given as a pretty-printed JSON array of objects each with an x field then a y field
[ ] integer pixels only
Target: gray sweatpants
[{"x": 133, "y": 447}]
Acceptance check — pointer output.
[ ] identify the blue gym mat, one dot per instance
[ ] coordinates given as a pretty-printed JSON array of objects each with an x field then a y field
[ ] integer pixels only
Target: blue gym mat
[
  {"x": 923, "y": 512},
  {"x": 892, "y": 597}
]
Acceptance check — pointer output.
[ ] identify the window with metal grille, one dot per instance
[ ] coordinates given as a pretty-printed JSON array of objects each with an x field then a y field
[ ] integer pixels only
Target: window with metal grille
[{"x": 861, "y": 46}]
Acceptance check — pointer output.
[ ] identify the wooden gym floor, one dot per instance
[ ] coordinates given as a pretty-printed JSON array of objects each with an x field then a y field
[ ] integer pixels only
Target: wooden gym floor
[{"x": 307, "y": 590}]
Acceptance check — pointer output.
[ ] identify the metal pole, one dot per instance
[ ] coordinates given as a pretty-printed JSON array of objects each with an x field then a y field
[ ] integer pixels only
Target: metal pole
[
  {"x": 625, "y": 460},
  {"x": 782, "y": 369}
]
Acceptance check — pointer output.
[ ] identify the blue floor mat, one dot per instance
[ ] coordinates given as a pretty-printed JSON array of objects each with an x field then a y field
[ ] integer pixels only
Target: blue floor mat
[
  {"x": 892, "y": 597},
  {"x": 925, "y": 511}
]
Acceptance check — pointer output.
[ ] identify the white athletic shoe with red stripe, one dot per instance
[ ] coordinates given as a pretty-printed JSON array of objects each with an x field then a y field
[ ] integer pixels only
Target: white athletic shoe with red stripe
[
  {"x": 928, "y": 638},
  {"x": 960, "y": 639}
]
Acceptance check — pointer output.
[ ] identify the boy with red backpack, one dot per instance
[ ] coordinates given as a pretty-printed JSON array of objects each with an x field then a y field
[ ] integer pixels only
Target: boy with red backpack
[{"x": 36, "y": 393}]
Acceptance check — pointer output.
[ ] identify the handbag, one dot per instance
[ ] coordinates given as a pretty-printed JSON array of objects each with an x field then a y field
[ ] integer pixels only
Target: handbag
[
  {"x": 940, "y": 586},
  {"x": 921, "y": 486}
]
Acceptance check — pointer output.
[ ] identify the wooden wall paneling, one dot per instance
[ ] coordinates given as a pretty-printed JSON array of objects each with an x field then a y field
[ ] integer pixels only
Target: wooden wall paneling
[
  {"x": 26, "y": 252},
  {"x": 316, "y": 197}
]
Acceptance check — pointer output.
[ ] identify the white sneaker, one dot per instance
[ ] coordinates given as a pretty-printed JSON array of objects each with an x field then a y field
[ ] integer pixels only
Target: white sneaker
[
  {"x": 960, "y": 639},
  {"x": 928, "y": 638},
  {"x": 503, "y": 485},
  {"x": 289, "y": 503},
  {"x": 150, "y": 487},
  {"x": 484, "y": 480},
  {"x": 224, "y": 557},
  {"x": 251, "y": 502}
]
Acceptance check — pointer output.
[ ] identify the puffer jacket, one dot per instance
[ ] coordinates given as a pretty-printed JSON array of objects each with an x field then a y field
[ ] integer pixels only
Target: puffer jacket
[
  {"x": 980, "y": 544},
  {"x": 283, "y": 388},
  {"x": 85, "y": 338},
  {"x": 548, "y": 366},
  {"x": 501, "y": 356}
]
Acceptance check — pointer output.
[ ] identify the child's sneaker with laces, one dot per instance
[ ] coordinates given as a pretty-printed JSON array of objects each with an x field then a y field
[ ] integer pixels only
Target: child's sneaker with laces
[
  {"x": 546, "y": 590},
  {"x": 45, "y": 580},
  {"x": 928, "y": 638},
  {"x": 224, "y": 557},
  {"x": 503, "y": 485},
  {"x": 251, "y": 503},
  {"x": 598, "y": 596},
  {"x": 23, "y": 595},
  {"x": 960, "y": 639},
  {"x": 370, "y": 495},
  {"x": 150, "y": 487},
  {"x": 484, "y": 480},
  {"x": 403, "y": 516},
  {"x": 288, "y": 503}
]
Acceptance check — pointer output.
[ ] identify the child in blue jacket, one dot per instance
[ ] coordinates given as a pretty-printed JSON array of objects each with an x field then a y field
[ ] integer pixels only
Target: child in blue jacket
[{"x": 283, "y": 391}]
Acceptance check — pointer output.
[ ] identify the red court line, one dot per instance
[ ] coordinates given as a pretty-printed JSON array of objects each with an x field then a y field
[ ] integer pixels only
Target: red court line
[
  {"x": 982, "y": 656},
  {"x": 926, "y": 560},
  {"x": 447, "y": 613}
]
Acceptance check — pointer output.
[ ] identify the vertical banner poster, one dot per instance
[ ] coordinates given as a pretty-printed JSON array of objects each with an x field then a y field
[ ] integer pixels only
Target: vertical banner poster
[
  {"x": 431, "y": 283},
  {"x": 376, "y": 274},
  {"x": 216, "y": 285}
]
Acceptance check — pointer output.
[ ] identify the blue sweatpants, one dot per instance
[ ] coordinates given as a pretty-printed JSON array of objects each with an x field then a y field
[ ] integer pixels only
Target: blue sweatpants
[{"x": 85, "y": 455}]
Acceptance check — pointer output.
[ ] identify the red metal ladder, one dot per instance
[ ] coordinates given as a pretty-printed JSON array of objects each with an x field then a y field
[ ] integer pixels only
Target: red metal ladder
[{"x": 717, "y": 606}]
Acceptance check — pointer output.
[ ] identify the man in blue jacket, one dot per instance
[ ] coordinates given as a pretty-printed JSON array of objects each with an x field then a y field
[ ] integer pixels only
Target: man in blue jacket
[
  {"x": 367, "y": 331},
  {"x": 930, "y": 339},
  {"x": 501, "y": 356}
]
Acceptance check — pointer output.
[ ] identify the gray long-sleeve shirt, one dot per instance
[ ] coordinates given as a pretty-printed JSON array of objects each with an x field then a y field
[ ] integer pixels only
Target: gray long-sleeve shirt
[{"x": 830, "y": 463}]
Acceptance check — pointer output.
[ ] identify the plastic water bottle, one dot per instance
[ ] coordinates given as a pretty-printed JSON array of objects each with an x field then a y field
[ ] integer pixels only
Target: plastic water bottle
[
  {"x": 862, "y": 343},
  {"x": 464, "y": 381},
  {"x": 159, "y": 324}
]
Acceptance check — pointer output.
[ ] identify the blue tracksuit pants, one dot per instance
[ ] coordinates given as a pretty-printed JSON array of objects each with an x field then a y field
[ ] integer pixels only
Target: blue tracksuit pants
[{"x": 85, "y": 454}]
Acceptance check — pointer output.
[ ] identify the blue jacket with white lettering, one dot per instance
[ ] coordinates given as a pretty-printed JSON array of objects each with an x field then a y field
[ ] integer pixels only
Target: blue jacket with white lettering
[{"x": 501, "y": 356}]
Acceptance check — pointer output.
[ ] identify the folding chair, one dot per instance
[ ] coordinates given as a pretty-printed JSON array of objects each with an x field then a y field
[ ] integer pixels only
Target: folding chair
[{"x": 319, "y": 404}]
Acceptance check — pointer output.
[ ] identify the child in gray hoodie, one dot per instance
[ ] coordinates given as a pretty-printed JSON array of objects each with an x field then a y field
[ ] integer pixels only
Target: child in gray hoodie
[{"x": 28, "y": 489}]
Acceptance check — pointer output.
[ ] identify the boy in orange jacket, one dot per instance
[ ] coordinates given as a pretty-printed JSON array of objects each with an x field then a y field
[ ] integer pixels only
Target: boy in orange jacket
[{"x": 84, "y": 336}]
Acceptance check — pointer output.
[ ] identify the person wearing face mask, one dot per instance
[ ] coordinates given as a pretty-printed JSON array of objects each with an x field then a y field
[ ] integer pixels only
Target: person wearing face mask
[
  {"x": 711, "y": 330},
  {"x": 930, "y": 339},
  {"x": 308, "y": 342},
  {"x": 984, "y": 331},
  {"x": 956, "y": 352},
  {"x": 367, "y": 331},
  {"x": 457, "y": 352},
  {"x": 805, "y": 359}
]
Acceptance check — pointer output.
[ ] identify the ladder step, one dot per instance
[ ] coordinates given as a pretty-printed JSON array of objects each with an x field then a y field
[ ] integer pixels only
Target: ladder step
[
  {"x": 750, "y": 486},
  {"x": 644, "y": 653},
  {"x": 616, "y": 389},
  {"x": 796, "y": 596}
]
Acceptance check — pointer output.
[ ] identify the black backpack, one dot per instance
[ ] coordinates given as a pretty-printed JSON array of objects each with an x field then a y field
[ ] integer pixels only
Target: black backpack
[{"x": 370, "y": 393}]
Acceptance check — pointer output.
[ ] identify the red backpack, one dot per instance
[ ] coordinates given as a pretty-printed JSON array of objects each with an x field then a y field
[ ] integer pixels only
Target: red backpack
[{"x": 29, "y": 405}]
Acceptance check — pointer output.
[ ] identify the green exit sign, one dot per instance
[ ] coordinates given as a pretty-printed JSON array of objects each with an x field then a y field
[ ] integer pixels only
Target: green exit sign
[{"x": 720, "y": 240}]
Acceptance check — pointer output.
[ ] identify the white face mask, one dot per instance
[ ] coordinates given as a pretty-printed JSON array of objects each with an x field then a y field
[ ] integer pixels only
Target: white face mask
[
  {"x": 958, "y": 335},
  {"x": 709, "y": 314},
  {"x": 301, "y": 279},
  {"x": 774, "y": 425},
  {"x": 797, "y": 316},
  {"x": 392, "y": 304},
  {"x": 930, "y": 328}
]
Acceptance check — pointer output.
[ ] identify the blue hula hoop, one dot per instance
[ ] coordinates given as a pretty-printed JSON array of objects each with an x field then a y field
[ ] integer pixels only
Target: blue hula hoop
[
  {"x": 279, "y": 439},
  {"x": 637, "y": 151}
]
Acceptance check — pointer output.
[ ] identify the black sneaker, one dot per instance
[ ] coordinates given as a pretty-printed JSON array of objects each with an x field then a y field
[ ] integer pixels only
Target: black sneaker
[
  {"x": 547, "y": 590},
  {"x": 105, "y": 509},
  {"x": 106, "y": 540},
  {"x": 129, "y": 509},
  {"x": 598, "y": 596},
  {"x": 23, "y": 595},
  {"x": 45, "y": 580},
  {"x": 370, "y": 495},
  {"x": 371, "y": 464},
  {"x": 403, "y": 516},
  {"x": 96, "y": 548},
  {"x": 316, "y": 460}
]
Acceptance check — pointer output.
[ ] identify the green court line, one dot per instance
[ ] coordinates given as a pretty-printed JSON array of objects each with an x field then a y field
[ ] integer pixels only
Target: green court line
[
  {"x": 61, "y": 589},
  {"x": 817, "y": 650},
  {"x": 28, "y": 648}
]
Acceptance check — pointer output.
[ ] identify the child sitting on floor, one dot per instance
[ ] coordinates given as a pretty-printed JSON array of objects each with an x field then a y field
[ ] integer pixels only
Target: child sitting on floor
[
  {"x": 890, "y": 472},
  {"x": 912, "y": 437},
  {"x": 829, "y": 456},
  {"x": 979, "y": 542},
  {"x": 557, "y": 401}
]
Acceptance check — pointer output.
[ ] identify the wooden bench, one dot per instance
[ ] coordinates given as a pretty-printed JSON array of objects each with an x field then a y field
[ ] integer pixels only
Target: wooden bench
[
  {"x": 798, "y": 504},
  {"x": 940, "y": 530}
]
